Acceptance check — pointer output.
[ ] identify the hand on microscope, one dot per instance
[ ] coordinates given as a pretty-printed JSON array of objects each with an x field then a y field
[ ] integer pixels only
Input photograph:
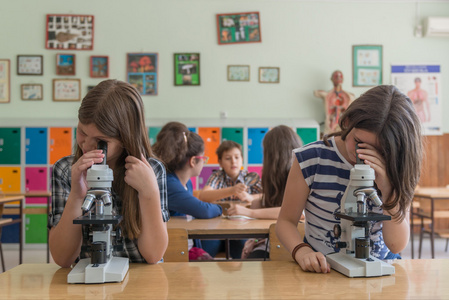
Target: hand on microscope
[
  {"x": 140, "y": 175},
  {"x": 311, "y": 261},
  {"x": 79, "y": 171}
]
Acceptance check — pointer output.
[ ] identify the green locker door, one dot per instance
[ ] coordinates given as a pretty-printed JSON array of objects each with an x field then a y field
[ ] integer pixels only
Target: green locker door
[
  {"x": 36, "y": 228},
  {"x": 307, "y": 135},
  {"x": 152, "y": 133},
  {"x": 232, "y": 134},
  {"x": 9, "y": 146}
]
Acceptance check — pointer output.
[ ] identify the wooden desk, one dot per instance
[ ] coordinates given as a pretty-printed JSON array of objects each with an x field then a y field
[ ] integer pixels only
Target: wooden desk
[
  {"x": 7, "y": 199},
  {"x": 418, "y": 279},
  {"x": 220, "y": 228},
  {"x": 433, "y": 194}
]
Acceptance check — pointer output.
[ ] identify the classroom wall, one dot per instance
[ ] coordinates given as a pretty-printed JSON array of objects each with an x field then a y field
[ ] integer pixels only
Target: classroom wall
[{"x": 308, "y": 40}]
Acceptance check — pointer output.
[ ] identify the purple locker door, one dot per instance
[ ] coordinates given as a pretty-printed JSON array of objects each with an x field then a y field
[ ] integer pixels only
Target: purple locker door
[{"x": 204, "y": 176}]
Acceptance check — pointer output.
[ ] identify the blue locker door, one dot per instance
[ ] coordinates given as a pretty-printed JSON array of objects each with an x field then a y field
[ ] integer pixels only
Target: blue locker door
[
  {"x": 255, "y": 149},
  {"x": 36, "y": 146}
]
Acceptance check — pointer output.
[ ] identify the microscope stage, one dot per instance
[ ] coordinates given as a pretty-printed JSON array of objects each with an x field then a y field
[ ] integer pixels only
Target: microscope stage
[{"x": 358, "y": 217}]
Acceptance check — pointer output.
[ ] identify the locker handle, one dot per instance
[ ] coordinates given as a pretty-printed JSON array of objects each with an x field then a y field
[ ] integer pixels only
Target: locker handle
[
  {"x": 250, "y": 142},
  {"x": 27, "y": 142}
]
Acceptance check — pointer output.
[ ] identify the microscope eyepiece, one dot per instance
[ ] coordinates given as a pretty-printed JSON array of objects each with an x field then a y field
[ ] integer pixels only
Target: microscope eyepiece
[
  {"x": 358, "y": 161},
  {"x": 102, "y": 145}
]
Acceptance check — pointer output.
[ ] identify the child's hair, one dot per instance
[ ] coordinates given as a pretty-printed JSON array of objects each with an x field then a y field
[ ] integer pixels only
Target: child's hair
[
  {"x": 176, "y": 144},
  {"x": 278, "y": 144},
  {"x": 388, "y": 113},
  {"x": 116, "y": 109},
  {"x": 226, "y": 146}
]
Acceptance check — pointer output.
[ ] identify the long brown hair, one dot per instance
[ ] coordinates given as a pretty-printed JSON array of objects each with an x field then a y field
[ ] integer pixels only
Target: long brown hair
[
  {"x": 278, "y": 144},
  {"x": 116, "y": 109},
  {"x": 176, "y": 144},
  {"x": 388, "y": 113}
]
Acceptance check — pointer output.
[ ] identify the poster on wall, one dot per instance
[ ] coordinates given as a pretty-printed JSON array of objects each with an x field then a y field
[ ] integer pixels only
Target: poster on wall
[
  {"x": 142, "y": 72},
  {"x": 238, "y": 28},
  {"x": 187, "y": 69},
  {"x": 5, "y": 69},
  {"x": 422, "y": 84},
  {"x": 366, "y": 65},
  {"x": 74, "y": 32}
]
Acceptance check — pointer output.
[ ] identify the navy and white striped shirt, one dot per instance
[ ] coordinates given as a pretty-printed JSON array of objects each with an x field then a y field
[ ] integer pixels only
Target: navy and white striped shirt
[{"x": 326, "y": 172}]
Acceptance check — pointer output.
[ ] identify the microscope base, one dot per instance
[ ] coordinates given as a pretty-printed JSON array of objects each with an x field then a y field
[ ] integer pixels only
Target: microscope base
[
  {"x": 350, "y": 266},
  {"x": 113, "y": 271}
]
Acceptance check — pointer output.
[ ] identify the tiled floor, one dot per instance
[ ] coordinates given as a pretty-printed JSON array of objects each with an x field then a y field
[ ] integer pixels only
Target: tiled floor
[{"x": 39, "y": 255}]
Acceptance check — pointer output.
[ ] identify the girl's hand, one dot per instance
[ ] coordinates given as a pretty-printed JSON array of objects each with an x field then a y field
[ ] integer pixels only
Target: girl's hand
[
  {"x": 244, "y": 196},
  {"x": 372, "y": 157},
  {"x": 311, "y": 261},
  {"x": 140, "y": 175},
  {"x": 79, "y": 171},
  {"x": 236, "y": 209}
]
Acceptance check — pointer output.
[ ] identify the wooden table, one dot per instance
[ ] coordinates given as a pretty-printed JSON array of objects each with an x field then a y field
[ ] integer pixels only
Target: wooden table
[
  {"x": 417, "y": 279},
  {"x": 433, "y": 194},
  {"x": 222, "y": 228},
  {"x": 21, "y": 199}
]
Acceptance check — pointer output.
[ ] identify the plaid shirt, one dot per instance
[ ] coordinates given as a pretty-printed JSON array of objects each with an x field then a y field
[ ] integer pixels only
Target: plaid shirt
[
  {"x": 219, "y": 179},
  {"x": 61, "y": 186}
]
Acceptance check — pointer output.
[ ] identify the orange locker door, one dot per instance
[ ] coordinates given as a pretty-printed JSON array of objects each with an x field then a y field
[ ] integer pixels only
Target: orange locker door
[
  {"x": 60, "y": 143},
  {"x": 211, "y": 138},
  {"x": 10, "y": 181}
]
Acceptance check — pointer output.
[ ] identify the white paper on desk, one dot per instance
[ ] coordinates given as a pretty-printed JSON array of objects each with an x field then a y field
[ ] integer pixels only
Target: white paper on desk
[{"x": 238, "y": 217}]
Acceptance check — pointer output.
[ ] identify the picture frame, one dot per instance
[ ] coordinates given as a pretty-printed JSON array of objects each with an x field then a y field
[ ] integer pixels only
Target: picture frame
[
  {"x": 30, "y": 65},
  {"x": 99, "y": 66},
  {"x": 187, "y": 69},
  {"x": 31, "y": 91},
  {"x": 66, "y": 89},
  {"x": 367, "y": 61},
  {"x": 269, "y": 74},
  {"x": 234, "y": 28},
  {"x": 142, "y": 72},
  {"x": 5, "y": 80},
  {"x": 238, "y": 73},
  {"x": 69, "y": 32},
  {"x": 65, "y": 64}
]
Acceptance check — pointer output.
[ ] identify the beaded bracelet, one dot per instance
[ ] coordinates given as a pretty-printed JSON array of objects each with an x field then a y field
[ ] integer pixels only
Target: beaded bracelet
[{"x": 297, "y": 247}]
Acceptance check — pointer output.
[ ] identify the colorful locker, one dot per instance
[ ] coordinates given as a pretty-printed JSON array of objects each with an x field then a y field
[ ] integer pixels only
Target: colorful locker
[
  {"x": 152, "y": 134},
  {"x": 257, "y": 169},
  {"x": 36, "y": 180},
  {"x": 10, "y": 180},
  {"x": 255, "y": 148},
  {"x": 232, "y": 134},
  {"x": 204, "y": 176},
  {"x": 10, "y": 146},
  {"x": 36, "y": 146},
  {"x": 307, "y": 135},
  {"x": 60, "y": 143},
  {"x": 211, "y": 138}
]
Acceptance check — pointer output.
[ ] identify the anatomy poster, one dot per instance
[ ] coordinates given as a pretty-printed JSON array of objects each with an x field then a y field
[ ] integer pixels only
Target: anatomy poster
[{"x": 422, "y": 84}]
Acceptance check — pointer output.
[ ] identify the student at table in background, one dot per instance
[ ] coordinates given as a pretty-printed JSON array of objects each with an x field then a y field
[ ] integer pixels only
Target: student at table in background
[
  {"x": 182, "y": 152},
  {"x": 112, "y": 112},
  {"x": 229, "y": 182},
  {"x": 278, "y": 145},
  {"x": 385, "y": 126}
]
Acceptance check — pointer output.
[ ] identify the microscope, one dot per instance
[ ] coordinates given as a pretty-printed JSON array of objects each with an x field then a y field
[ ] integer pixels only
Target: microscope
[
  {"x": 354, "y": 259},
  {"x": 101, "y": 267}
]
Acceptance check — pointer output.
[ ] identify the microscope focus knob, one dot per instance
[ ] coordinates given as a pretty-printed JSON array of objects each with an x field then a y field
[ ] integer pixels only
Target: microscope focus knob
[
  {"x": 341, "y": 245},
  {"x": 337, "y": 230}
]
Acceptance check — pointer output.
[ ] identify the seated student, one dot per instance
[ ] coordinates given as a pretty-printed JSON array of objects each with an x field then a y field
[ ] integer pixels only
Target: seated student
[
  {"x": 182, "y": 151},
  {"x": 278, "y": 145},
  {"x": 229, "y": 182}
]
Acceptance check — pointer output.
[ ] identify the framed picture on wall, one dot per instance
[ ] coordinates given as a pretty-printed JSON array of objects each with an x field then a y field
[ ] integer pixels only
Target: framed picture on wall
[
  {"x": 69, "y": 32},
  {"x": 238, "y": 72},
  {"x": 187, "y": 69},
  {"x": 142, "y": 71},
  {"x": 66, "y": 89},
  {"x": 65, "y": 64},
  {"x": 238, "y": 28},
  {"x": 30, "y": 65},
  {"x": 5, "y": 80},
  {"x": 269, "y": 74},
  {"x": 366, "y": 65},
  {"x": 31, "y": 91},
  {"x": 99, "y": 66}
]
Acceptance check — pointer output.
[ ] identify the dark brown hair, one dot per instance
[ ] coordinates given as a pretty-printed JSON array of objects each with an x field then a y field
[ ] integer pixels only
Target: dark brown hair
[
  {"x": 388, "y": 113},
  {"x": 278, "y": 144},
  {"x": 176, "y": 144},
  {"x": 116, "y": 109},
  {"x": 226, "y": 146}
]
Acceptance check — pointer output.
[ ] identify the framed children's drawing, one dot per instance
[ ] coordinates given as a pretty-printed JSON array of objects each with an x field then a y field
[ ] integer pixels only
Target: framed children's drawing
[
  {"x": 187, "y": 69},
  {"x": 238, "y": 73},
  {"x": 99, "y": 66},
  {"x": 66, "y": 89},
  {"x": 141, "y": 71},
  {"x": 238, "y": 28},
  {"x": 269, "y": 74},
  {"x": 5, "y": 77},
  {"x": 31, "y": 91},
  {"x": 366, "y": 65},
  {"x": 70, "y": 32},
  {"x": 30, "y": 65},
  {"x": 65, "y": 64}
]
